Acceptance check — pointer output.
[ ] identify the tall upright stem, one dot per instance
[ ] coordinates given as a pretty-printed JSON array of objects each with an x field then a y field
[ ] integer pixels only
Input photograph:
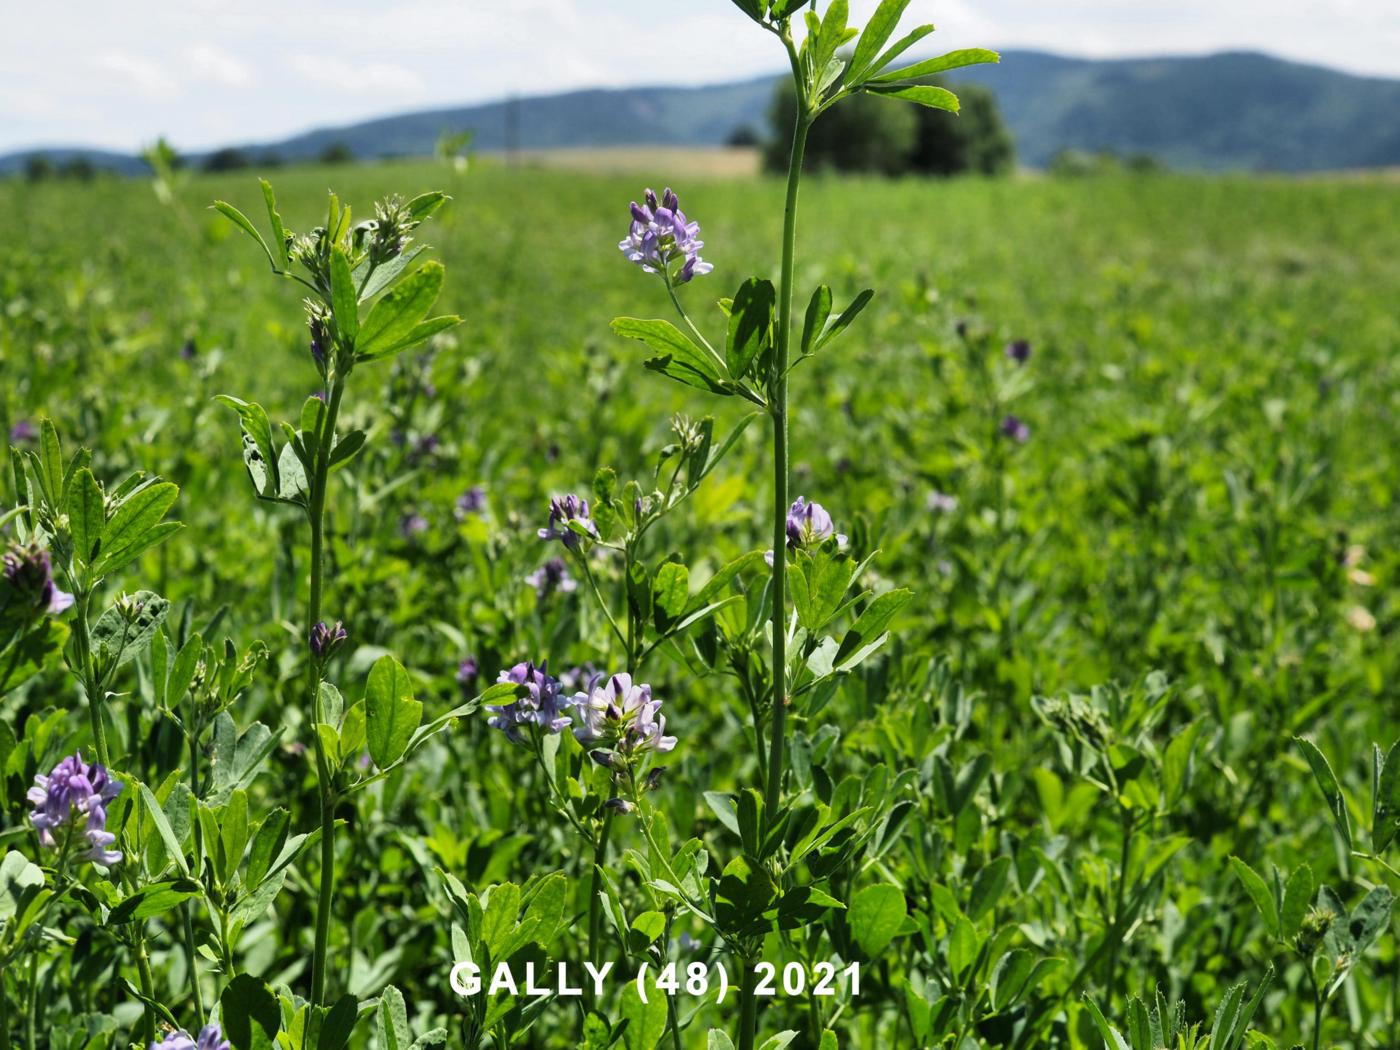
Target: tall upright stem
[
  {"x": 317, "y": 514},
  {"x": 779, "y": 409}
]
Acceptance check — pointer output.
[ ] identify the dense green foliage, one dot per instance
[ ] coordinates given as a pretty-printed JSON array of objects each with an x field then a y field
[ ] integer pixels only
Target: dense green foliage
[
  {"x": 871, "y": 135},
  {"x": 1087, "y": 712}
]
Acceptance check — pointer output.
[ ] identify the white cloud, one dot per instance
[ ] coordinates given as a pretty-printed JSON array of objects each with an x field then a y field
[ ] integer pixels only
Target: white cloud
[
  {"x": 358, "y": 78},
  {"x": 144, "y": 75},
  {"x": 219, "y": 67}
]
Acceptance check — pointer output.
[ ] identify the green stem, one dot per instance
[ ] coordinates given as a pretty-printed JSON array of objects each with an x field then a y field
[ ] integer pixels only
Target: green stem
[
  {"x": 31, "y": 1010},
  {"x": 699, "y": 336},
  {"x": 317, "y": 514},
  {"x": 188, "y": 909},
  {"x": 779, "y": 408},
  {"x": 4, "y": 1013},
  {"x": 598, "y": 596},
  {"x": 595, "y": 885},
  {"x": 748, "y": 1006}
]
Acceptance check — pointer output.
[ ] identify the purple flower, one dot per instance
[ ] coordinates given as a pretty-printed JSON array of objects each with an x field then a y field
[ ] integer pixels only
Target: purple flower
[
  {"x": 23, "y": 431},
  {"x": 661, "y": 235},
  {"x": 550, "y": 577},
  {"x": 424, "y": 447},
  {"x": 412, "y": 525},
  {"x": 211, "y": 1037},
  {"x": 326, "y": 640},
  {"x": 580, "y": 678},
  {"x": 622, "y": 716},
  {"x": 942, "y": 502},
  {"x": 28, "y": 576},
  {"x": 319, "y": 324},
  {"x": 1018, "y": 350},
  {"x": 74, "y": 787},
  {"x": 1014, "y": 427},
  {"x": 473, "y": 501},
  {"x": 562, "y": 511},
  {"x": 467, "y": 671},
  {"x": 809, "y": 525},
  {"x": 543, "y": 705}
]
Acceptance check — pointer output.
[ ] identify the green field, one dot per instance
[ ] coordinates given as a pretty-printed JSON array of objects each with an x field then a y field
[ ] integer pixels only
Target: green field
[{"x": 1087, "y": 710}]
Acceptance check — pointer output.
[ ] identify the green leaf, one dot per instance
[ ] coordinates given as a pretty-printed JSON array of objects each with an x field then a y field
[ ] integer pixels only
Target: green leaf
[
  {"x": 923, "y": 94},
  {"x": 875, "y": 916},
  {"x": 670, "y": 594},
  {"x": 259, "y": 455},
  {"x": 279, "y": 232},
  {"x": 818, "y": 311},
  {"x": 393, "y": 319},
  {"x": 20, "y": 881},
  {"x": 646, "y": 1022},
  {"x": 391, "y": 713},
  {"x": 86, "y": 514},
  {"x": 750, "y": 325},
  {"x": 124, "y": 636},
  {"x": 1297, "y": 894},
  {"x": 425, "y": 204},
  {"x": 844, "y": 321},
  {"x": 137, "y": 515},
  {"x": 988, "y": 887},
  {"x": 898, "y": 48},
  {"x": 1331, "y": 790},
  {"x": 679, "y": 357},
  {"x": 267, "y": 845},
  {"x": 974, "y": 56},
  {"x": 1111, "y": 1037},
  {"x": 871, "y": 623},
  {"x": 877, "y": 32},
  {"x": 1385, "y": 806},
  {"x": 1258, "y": 892},
  {"x": 394, "y": 1033},
  {"x": 241, "y": 221},
  {"x": 152, "y": 900},
  {"x": 717, "y": 1040},
  {"x": 51, "y": 462},
  {"x": 29, "y": 655},
  {"x": 500, "y": 918},
  {"x": 250, "y": 1015},
  {"x": 339, "y": 1024},
  {"x": 156, "y": 813}
]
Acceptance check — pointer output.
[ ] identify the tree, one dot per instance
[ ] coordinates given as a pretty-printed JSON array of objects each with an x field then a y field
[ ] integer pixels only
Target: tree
[
  {"x": 974, "y": 141},
  {"x": 337, "y": 153},
  {"x": 38, "y": 167},
  {"x": 745, "y": 136},
  {"x": 226, "y": 159},
  {"x": 875, "y": 135},
  {"x": 862, "y": 134}
]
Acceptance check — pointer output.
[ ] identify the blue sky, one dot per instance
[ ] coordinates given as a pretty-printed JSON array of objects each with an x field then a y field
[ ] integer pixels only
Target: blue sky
[{"x": 206, "y": 72}]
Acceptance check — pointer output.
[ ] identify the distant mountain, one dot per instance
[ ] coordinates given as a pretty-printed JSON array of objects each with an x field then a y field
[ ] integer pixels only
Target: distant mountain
[{"x": 1237, "y": 110}]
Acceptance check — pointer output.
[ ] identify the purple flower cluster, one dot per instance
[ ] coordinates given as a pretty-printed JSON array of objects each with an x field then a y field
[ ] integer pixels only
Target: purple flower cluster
[
  {"x": 619, "y": 715},
  {"x": 325, "y": 640},
  {"x": 471, "y": 502},
  {"x": 662, "y": 235},
  {"x": 211, "y": 1037},
  {"x": 809, "y": 525},
  {"x": 1015, "y": 428},
  {"x": 543, "y": 705},
  {"x": 612, "y": 713},
  {"x": 1018, "y": 350},
  {"x": 467, "y": 672},
  {"x": 23, "y": 432},
  {"x": 553, "y": 576},
  {"x": 74, "y": 787},
  {"x": 942, "y": 502},
  {"x": 564, "y": 510},
  {"x": 412, "y": 525},
  {"x": 28, "y": 576}
]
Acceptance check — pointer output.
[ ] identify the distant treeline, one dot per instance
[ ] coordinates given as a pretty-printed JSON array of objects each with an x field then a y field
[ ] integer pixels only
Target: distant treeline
[{"x": 39, "y": 167}]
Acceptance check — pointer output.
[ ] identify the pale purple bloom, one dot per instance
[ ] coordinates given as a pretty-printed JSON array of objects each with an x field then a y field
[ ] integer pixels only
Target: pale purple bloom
[
  {"x": 473, "y": 501},
  {"x": 942, "y": 502},
  {"x": 23, "y": 431},
  {"x": 623, "y": 716},
  {"x": 320, "y": 337},
  {"x": 583, "y": 677},
  {"x": 74, "y": 787},
  {"x": 809, "y": 525},
  {"x": 562, "y": 511},
  {"x": 211, "y": 1037},
  {"x": 543, "y": 705},
  {"x": 1018, "y": 350},
  {"x": 412, "y": 526},
  {"x": 28, "y": 574},
  {"x": 550, "y": 577},
  {"x": 467, "y": 671},
  {"x": 325, "y": 640},
  {"x": 661, "y": 235},
  {"x": 1014, "y": 427}
]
